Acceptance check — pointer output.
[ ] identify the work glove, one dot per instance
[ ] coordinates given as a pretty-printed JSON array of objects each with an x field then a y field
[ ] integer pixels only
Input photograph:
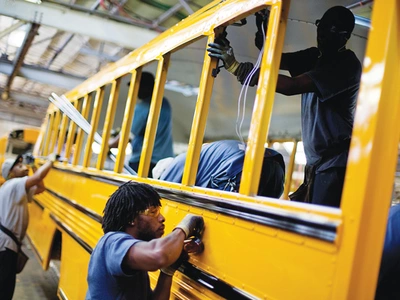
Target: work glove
[
  {"x": 170, "y": 270},
  {"x": 193, "y": 245},
  {"x": 53, "y": 157},
  {"x": 28, "y": 158},
  {"x": 222, "y": 50},
  {"x": 192, "y": 225}
]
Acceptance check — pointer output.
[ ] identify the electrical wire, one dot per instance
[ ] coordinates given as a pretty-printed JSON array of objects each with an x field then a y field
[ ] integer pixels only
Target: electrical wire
[{"x": 244, "y": 89}]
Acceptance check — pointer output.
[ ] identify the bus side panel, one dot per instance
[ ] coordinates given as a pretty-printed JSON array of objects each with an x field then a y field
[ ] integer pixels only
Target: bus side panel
[
  {"x": 73, "y": 270},
  {"x": 242, "y": 255},
  {"x": 41, "y": 232}
]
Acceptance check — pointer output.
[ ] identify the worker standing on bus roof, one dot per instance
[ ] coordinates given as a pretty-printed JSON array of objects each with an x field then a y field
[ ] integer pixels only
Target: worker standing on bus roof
[
  {"x": 132, "y": 246},
  {"x": 163, "y": 141},
  {"x": 15, "y": 193},
  {"x": 328, "y": 78}
]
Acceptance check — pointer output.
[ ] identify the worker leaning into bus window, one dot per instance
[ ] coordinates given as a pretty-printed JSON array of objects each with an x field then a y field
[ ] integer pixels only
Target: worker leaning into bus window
[
  {"x": 132, "y": 246},
  {"x": 15, "y": 193},
  {"x": 221, "y": 166},
  {"x": 389, "y": 274},
  {"x": 163, "y": 141},
  {"x": 328, "y": 78}
]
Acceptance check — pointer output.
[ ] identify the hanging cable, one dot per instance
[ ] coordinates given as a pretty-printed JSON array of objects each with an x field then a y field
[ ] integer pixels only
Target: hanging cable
[{"x": 245, "y": 86}]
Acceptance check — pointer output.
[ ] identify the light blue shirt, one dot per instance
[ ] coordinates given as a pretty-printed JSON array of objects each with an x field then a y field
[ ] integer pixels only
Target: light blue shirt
[{"x": 163, "y": 142}]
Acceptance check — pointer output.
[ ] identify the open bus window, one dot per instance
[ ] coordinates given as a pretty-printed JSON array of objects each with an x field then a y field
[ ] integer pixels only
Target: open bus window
[{"x": 141, "y": 122}]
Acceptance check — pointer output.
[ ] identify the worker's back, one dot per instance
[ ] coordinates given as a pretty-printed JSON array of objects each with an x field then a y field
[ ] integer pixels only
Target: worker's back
[{"x": 221, "y": 164}]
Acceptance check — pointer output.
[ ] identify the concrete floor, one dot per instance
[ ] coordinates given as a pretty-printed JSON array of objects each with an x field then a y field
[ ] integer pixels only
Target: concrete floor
[{"x": 33, "y": 283}]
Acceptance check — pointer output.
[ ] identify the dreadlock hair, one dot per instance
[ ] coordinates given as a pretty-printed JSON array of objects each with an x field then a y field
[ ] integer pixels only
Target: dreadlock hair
[{"x": 125, "y": 203}]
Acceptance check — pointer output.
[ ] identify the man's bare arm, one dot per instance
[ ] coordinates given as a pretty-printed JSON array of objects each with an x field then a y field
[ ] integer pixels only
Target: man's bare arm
[
  {"x": 156, "y": 254},
  {"x": 38, "y": 176},
  {"x": 163, "y": 287},
  {"x": 295, "y": 85}
]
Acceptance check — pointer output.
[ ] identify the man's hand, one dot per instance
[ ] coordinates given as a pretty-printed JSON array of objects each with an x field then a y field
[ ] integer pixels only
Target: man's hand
[
  {"x": 192, "y": 225},
  {"x": 170, "y": 270},
  {"x": 262, "y": 18},
  {"x": 222, "y": 50}
]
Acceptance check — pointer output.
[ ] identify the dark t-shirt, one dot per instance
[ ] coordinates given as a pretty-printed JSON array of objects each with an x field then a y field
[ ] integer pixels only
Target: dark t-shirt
[
  {"x": 389, "y": 274},
  {"x": 328, "y": 114},
  {"x": 107, "y": 279}
]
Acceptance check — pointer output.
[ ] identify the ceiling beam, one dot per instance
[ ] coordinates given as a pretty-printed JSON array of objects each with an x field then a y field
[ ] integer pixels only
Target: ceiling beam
[
  {"x": 99, "y": 54},
  {"x": 20, "y": 56},
  {"x": 65, "y": 19},
  {"x": 44, "y": 76},
  {"x": 20, "y": 115},
  {"x": 29, "y": 99},
  {"x": 10, "y": 29}
]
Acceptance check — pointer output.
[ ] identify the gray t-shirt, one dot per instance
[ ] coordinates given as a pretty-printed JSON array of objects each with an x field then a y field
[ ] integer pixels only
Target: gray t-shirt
[{"x": 14, "y": 213}]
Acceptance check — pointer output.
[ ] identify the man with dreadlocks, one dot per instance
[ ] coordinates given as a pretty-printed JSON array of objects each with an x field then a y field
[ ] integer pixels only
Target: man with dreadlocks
[
  {"x": 132, "y": 246},
  {"x": 328, "y": 78}
]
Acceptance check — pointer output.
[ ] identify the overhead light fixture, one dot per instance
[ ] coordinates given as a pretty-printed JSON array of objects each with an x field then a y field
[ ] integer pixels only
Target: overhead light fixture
[{"x": 34, "y": 1}]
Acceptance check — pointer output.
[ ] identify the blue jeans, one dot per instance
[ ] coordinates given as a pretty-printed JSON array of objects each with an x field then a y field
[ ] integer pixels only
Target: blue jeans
[{"x": 328, "y": 186}]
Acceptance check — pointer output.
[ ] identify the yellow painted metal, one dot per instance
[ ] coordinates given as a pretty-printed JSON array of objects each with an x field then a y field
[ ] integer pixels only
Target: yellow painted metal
[
  {"x": 262, "y": 109},
  {"x": 98, "y": 102},
  {"x": 128, "y": 117},
  {"x": 266, "y": 274},
  {"x": 71, "y": 135},
  {"x": 73, "y": 271},
  {"x": 108, "y": 122},
  {"x": 38, "y": 147},
  {"x": 289, "y": 173},
  {"x": 55, "y": 131},
  {"x": 79, "y": 138},
  {"x": 372, "y": 159},
  {"x": 256, "y": 258},
  {"x": 154, "y": 113},
  {"x": 63, "y": 132},
  {"x": 41, "y": 231},
  {"x": 47, "y": 138},
  {"x": 3, "y": 147},
  {"x": 202, "y": 23},
  {"x": 199, "y": 118},
  {"x": 31, "y": 135}
]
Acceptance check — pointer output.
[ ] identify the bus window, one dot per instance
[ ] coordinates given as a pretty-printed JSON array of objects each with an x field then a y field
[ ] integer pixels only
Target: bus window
[
  {"x": 84, "y": 104},
  {"x": 118, "y": 121},
  {"x": 151, "y": 125},
  {"x": 182, "y": 91}
]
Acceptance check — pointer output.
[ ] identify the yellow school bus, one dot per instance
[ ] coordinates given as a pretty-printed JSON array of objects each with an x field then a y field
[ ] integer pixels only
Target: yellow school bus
[
  {"x": 255, "y": 247},
  {"x": 17, "y": 142}
]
